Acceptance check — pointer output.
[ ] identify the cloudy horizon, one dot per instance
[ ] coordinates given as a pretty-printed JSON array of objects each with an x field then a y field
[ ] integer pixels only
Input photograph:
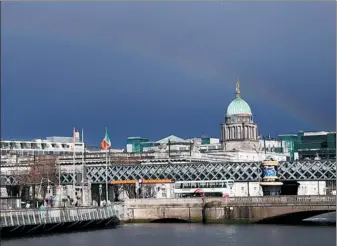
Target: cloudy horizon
[{"x": 155, "y": 69}]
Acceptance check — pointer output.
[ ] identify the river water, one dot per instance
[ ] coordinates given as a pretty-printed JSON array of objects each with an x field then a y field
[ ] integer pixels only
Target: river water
[{"x": 189, "y": 235}]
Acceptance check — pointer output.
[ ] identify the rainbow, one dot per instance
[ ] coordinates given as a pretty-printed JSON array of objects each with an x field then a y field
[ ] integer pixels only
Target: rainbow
[{"x": 257, "y": 90}]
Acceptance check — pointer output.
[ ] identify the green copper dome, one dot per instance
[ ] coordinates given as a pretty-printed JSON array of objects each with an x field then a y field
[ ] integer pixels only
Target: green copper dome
[{"x": 238, "y": 106}]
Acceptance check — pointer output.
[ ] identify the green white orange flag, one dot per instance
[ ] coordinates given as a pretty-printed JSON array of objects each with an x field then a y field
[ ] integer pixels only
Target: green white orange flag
[{"x": 106, "y": 143}]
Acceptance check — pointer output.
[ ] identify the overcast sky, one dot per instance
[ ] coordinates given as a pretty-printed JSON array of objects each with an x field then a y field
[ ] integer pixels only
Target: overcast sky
[{"x": 154, "y": 69}]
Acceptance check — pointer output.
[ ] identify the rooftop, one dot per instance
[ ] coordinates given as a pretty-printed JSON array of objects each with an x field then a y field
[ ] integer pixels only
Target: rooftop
[
  {"x": 172, "y": 138},
  {"x": 137, "y": 138}
]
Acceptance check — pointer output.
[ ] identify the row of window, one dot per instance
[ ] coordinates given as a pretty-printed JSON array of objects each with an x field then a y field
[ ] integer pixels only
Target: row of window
[
  {"x": 206, "y": 194},
  {"x": 201, "y": 185},
  {"x": 35, "y": 145},
  {"x": 32, "y": 152}
]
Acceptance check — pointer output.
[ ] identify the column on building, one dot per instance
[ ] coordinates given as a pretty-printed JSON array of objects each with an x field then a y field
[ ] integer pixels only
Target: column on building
[
  {"x": 233, "y": 131},
  {"x": 222, "y": 134},
  {"x": 225, "y": 133},
  {"x": 238, "y": 132}
]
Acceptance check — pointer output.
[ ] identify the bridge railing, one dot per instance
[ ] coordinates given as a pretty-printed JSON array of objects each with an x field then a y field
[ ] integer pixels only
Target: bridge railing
[
  {"x": 283, "y": 200},
  {"x": 59, "y": 215},
  {"x": 240, "y": 201}
]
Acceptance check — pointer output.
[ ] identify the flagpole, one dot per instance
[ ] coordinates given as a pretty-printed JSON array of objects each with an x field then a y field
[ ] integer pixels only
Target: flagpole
[
  {"x": 106, "y": 170},
  {"x": 74, "y": 178},
  {"x": 83, "y": 149},
  {"x": 59, "y": 164},
  {"x": 59, "y": 187}
]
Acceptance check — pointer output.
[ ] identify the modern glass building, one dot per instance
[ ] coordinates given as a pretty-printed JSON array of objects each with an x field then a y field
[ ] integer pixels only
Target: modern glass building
[
  {"x": 136, "y": 144},
  {"x": 311, "y": 145}
]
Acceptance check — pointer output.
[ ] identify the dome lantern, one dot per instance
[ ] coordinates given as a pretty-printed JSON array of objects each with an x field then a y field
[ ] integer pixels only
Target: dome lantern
[
  {"x": 238, "y": 106},
  {"x": 237, "y": 89}
]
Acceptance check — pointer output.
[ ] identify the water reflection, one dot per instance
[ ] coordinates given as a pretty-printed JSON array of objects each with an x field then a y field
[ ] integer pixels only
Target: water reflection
[{"x": 191, "y": 235}]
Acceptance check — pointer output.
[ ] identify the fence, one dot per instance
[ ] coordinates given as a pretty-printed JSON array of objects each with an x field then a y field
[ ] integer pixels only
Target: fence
[{"x": 58, "y": 215}]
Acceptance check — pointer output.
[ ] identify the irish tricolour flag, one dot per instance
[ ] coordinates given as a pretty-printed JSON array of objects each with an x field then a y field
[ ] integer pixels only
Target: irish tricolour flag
[{"x": 106, "y": 143}]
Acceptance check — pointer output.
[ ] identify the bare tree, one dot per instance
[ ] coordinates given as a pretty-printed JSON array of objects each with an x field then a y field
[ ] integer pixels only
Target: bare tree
[
  {"x": 43, "y": 170},
  {"x": 39, "y": 168},
  {"x": 38, "y": 173},
  {"x": 117, "y": 190},
  {"x": 130, "y": 190},
  {"x": 149, "y": 191}
]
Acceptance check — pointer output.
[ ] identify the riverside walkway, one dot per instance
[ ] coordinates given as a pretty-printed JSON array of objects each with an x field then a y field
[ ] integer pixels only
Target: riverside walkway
[{"x": 32, "y": 221}]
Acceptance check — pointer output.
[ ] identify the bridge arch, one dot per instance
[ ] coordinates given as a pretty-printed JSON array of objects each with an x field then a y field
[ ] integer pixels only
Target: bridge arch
[
  {"x": 292, "y": 218},
  {"x": 170, "y": 220}
]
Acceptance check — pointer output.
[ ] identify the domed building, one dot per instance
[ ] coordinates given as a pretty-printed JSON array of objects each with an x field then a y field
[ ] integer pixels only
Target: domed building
[{"x": 238, "y": 132}]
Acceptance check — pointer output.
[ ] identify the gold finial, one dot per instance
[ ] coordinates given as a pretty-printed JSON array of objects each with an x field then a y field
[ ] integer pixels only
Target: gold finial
[{"x": 238, "y": 88}]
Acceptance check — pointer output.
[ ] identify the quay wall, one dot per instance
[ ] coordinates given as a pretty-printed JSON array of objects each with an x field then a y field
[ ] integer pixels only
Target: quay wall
[{"x": 225, "y": 210}]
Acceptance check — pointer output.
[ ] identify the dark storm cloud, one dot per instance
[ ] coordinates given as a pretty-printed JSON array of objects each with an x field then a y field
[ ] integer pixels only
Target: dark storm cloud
[{"x": 155, "y": 68}]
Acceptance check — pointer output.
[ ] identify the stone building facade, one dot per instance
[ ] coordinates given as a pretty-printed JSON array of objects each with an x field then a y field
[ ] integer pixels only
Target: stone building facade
[{"x": 238, "y": 131}]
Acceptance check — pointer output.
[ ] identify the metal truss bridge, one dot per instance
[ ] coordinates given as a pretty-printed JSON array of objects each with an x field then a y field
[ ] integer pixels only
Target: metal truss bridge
[{"x": 238, "y": 171}]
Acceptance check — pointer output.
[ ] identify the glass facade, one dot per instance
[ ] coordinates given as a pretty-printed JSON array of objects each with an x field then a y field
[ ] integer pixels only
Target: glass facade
[
  {"x": 205, "y": 140},
  {"x": 289, "y": 143},
  {"x": 137, "y": 143},
  {"x": 309, "y": 145}
]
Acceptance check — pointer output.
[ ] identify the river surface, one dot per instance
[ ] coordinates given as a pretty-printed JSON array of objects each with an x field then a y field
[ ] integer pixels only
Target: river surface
[{"x": 189, "y": 235}]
